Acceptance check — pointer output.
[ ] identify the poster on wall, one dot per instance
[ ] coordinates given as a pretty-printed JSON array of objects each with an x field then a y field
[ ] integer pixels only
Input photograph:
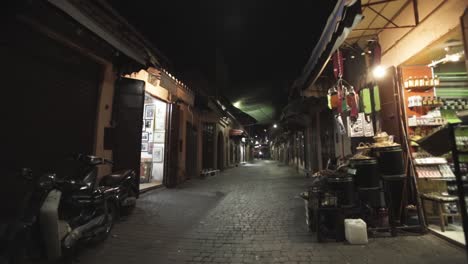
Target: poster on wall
[
  {"x": 160, "y": 110},
  {"x": 148, "y": 124},
  {"x": 157, "y": 154},
  {"x": 159, "y": 137},
  {"x": 160, "y": 124},
  {"x": 144, "y": 147},
  {"x": 149, "y": 111}
]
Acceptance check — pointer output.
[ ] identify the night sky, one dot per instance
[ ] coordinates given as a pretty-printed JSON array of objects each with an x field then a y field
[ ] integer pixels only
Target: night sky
[{"x": 247, "y": 50}]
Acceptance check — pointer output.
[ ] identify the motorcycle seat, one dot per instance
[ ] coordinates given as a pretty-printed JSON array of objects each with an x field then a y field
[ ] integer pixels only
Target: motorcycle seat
[{"x": 115, "y": 177}]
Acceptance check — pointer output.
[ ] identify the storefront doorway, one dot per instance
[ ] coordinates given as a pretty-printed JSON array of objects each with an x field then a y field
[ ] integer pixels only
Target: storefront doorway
[
  {"x": 434, "y": 85},
  {"x": 153, "y": 142},
  {"x": 220, "y": 151}
]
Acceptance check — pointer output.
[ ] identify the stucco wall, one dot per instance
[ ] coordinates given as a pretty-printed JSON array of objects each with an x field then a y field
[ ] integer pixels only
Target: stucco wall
[{"x": 104, "y": 115}]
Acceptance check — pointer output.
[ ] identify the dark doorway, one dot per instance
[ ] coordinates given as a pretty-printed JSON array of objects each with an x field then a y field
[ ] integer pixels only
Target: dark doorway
[
  {"x": 190, "y": 151},
  {"x": 208, "y": 145},
  {"x": 172, "y": 151},
  {"x": 50, "y": 94},
  {"x": 220, "y": 146}
]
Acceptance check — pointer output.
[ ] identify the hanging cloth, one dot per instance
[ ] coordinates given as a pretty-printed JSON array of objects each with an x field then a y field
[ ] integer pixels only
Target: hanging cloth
[
  {"x": 366, "y": 101},
  {"x": 376, "y": 94},
  {"x": 340, "y": 99},
  {"x": 352, "y": 99}
]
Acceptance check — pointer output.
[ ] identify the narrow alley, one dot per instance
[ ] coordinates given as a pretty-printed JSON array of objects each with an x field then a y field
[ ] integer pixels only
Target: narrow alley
[{"x": 247, "y": 214}]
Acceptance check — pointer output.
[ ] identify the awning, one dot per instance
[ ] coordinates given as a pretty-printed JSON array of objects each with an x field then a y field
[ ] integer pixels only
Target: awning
[
  {"x": 236, "y": 132},
  {"x": 299, "y": 112},
  {"x": 345, "y": 16}
]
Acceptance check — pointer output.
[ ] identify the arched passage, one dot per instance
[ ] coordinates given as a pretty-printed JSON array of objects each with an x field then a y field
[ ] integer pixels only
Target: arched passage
[{"x": 220, "y": 151}]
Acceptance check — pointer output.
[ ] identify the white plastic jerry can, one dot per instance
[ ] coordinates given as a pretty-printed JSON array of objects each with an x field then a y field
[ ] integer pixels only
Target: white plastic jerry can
[{"x": 356, "y": 231}]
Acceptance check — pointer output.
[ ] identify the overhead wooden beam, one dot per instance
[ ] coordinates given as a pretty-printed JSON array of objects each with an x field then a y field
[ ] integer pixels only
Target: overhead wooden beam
[
  {"x": 416, "y": 12},
  {"x": 378, "y": 3},
  {"x": 381, "y": 28}
]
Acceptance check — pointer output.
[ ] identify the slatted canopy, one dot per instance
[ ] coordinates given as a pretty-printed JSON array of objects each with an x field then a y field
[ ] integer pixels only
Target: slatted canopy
[{"x": 379, "y": 15}]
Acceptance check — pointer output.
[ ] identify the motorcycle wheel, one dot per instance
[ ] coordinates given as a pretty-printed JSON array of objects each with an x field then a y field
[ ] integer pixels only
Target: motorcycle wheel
[
  {"x": 111, "y": 217},
  {"x": 127, "y": 210}
]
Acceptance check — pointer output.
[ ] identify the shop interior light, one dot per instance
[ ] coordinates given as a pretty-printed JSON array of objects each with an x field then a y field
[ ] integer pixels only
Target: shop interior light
[
  {"x": 256, "y": 142},
  {"x": 378, "y": 72},
  {"x": 275, "y": 126},
  {"x": 260, "y": 153},
  {"x": 454, "y": 57}
]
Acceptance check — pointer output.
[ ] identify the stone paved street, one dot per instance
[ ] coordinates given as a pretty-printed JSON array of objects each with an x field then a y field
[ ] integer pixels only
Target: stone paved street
[{"x": 248, "y": 214}]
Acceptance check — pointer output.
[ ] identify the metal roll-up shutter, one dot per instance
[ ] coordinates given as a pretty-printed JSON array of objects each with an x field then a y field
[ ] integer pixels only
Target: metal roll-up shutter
[{"x": 49, "y": 99}]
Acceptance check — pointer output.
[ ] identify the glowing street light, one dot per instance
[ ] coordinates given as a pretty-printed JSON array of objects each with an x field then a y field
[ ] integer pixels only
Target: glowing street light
[{"x": 275, "y": 126}]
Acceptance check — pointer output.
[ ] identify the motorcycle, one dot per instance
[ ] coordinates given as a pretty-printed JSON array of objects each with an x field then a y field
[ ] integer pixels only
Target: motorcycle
[{"x": 71, "y": 206}]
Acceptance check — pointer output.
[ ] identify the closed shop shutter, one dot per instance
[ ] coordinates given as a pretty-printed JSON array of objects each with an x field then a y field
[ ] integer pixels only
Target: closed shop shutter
[{"x": 49, "y": 99}]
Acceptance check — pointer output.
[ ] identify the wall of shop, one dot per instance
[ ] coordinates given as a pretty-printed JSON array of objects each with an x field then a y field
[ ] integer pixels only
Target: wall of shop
[
  {"x": 78, "y": 65},
  {"x": 104, "y": 116},
  {"x": 437, "y": 17}
]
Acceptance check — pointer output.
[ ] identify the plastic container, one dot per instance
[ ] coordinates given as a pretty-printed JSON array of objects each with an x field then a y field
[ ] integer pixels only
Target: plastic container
[{"x": 356, "y": 231}]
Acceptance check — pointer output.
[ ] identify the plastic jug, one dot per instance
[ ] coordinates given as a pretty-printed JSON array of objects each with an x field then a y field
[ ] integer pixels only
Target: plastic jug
[{"x": 356, "y": 231}]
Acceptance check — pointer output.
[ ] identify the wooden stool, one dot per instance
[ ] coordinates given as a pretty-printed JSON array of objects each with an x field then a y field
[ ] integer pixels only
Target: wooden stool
[{"x": 438, "y": 201}]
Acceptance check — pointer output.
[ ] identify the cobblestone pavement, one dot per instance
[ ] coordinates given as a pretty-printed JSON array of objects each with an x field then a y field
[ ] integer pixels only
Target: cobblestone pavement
[{"x": 248, "y": 214}]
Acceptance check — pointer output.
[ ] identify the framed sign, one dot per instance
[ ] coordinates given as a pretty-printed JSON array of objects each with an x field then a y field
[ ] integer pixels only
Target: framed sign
[
  {"x": 144, "y": 147},
  {"x": 160, "y": 124},
  {"x": 148, "y": 124},
  {"x": 157, "y": 154},
  {"x": 158, "y": 137},
  {"x": 144, "y": 136},
  {"x": 149, "y": 111}
]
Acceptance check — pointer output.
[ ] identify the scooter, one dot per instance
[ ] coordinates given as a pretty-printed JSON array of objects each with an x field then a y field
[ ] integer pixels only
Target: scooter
[
  {"x": 68, "y": 207},
  {"x": 83, "y": 208}
]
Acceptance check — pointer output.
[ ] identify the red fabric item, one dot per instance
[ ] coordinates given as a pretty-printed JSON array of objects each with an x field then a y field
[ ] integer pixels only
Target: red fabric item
[
  {"x": 352, "y": 101},
  {"x": 340, "y": 99}
]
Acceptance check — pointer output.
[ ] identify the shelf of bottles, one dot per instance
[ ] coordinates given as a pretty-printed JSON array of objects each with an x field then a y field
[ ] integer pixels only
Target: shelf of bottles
[{"x": 421, "y": 83}]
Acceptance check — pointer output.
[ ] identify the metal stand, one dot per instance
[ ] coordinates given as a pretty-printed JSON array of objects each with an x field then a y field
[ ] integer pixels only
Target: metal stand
[{"x": 460, "y": 186}]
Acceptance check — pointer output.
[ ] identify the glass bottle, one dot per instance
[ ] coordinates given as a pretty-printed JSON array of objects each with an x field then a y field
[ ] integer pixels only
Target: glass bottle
[
  {"x": 421, "y": 81},
  {"x": 436, "y": 81},
  {"x": 431, "y": 101},
  {"x": 410, "y": 81},
  {"x": 424, "y": 101},
  {"x": 426, "y": 81}
]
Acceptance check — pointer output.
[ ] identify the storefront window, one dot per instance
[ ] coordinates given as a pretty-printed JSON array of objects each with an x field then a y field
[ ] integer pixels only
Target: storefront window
[{"x": 153, "y": 141}]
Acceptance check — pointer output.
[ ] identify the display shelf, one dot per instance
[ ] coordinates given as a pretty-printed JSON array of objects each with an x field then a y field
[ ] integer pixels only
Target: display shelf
[
  {"x": 439, "y": 178},
  {"x": 420, "y": 88},
  {"x": 429, "y": 161},
  {"x": 422, "y": 125}
]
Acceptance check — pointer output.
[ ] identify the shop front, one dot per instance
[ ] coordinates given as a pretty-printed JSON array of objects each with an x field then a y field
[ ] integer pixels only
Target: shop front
[
  {"x": 153, "y": 141},
  {"x": 434, "y": 89},
  {"x": 154, "y": 133}
]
